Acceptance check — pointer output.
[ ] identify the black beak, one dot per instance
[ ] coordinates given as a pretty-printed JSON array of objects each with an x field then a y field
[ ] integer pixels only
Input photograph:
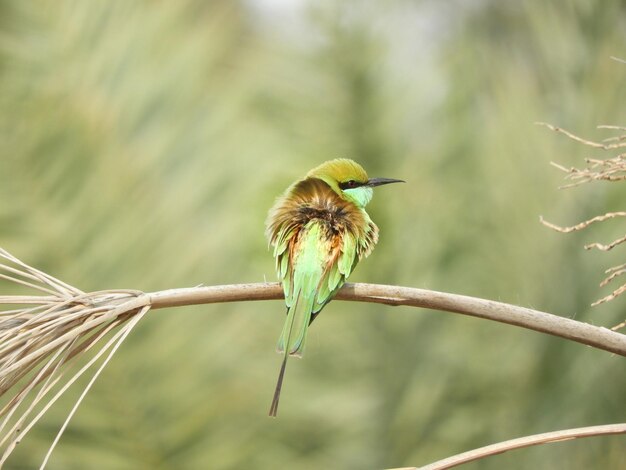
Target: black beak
[{"x": 380, "y": 181}]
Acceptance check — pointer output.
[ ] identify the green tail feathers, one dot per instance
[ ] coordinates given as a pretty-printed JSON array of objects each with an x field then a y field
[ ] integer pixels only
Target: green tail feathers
[
  {"x": 301, "y": 296},
  {"x": 309, "y": 285},
  {"x": 293, "y": 337},
  {"x": 292, "y": 340}
]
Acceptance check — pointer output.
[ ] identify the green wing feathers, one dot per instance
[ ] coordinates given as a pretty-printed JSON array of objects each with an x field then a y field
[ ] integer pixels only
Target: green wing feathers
[
  {"x": 301, "y": 279},
  {"x": 316, "y": 273}
]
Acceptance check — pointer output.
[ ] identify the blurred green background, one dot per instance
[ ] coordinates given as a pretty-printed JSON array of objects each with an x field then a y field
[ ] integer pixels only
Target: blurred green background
[{"x": 142, "y": 143}]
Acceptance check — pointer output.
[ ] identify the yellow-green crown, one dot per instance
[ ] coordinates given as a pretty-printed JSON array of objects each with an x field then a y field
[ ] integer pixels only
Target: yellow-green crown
[{"x": 339, "y": 170}]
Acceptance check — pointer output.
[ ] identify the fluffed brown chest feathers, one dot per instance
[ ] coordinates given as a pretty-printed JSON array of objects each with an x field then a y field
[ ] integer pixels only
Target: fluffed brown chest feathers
[{"x": 313, "y": 200}]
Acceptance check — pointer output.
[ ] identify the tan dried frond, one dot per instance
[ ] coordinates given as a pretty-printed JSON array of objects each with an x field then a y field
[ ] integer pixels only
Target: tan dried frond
[
  {"x": 609, "y": 169},
  {"x": 42, "y": 335}
]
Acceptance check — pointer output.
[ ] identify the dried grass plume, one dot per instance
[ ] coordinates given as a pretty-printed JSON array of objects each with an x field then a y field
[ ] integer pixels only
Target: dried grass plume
[{"x": 611, "y": 169}]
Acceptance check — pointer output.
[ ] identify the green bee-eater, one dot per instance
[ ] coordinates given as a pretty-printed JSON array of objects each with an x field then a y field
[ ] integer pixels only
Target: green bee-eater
[{"x": 319, "y": 230}]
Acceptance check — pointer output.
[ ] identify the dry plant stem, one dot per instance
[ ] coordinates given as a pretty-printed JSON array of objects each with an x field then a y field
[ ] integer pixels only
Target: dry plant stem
[
  {"x": 522, "y": 442},
  {"x": 610, "y": 126},
  {"x": 598, "y": 337},
  {"x": 619, "y": 326},
  {"x": 590, "y": 143},
  {"x": 615, "y": 271},
  {"x": 582, "y": 225},
  {"x": 608, "y": 247},
  {"x": 611, "y": 170},
  {"x": 616, "y": 293}
]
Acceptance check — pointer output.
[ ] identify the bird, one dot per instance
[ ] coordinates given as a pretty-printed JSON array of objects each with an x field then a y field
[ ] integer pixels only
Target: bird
[{"x": 319, "y": 231}]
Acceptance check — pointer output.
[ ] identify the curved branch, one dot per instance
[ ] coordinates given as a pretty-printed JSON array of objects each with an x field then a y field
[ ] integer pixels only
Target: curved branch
[
  {"x": 527, "y": 441},
  {"x": 597, "y": 337},
  {"x": 40, "y": 335}
]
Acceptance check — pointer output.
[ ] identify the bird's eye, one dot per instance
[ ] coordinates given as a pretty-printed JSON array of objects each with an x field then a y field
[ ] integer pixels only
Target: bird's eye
[{"x": 350, "y": 184}]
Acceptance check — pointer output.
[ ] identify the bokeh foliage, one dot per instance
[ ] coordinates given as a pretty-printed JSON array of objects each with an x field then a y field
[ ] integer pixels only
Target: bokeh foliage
[{"x": 142, "y": 142}]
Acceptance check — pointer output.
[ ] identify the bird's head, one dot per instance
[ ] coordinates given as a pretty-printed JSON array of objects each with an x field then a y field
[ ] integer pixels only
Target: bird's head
[{"x": 348, "y": 179}]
